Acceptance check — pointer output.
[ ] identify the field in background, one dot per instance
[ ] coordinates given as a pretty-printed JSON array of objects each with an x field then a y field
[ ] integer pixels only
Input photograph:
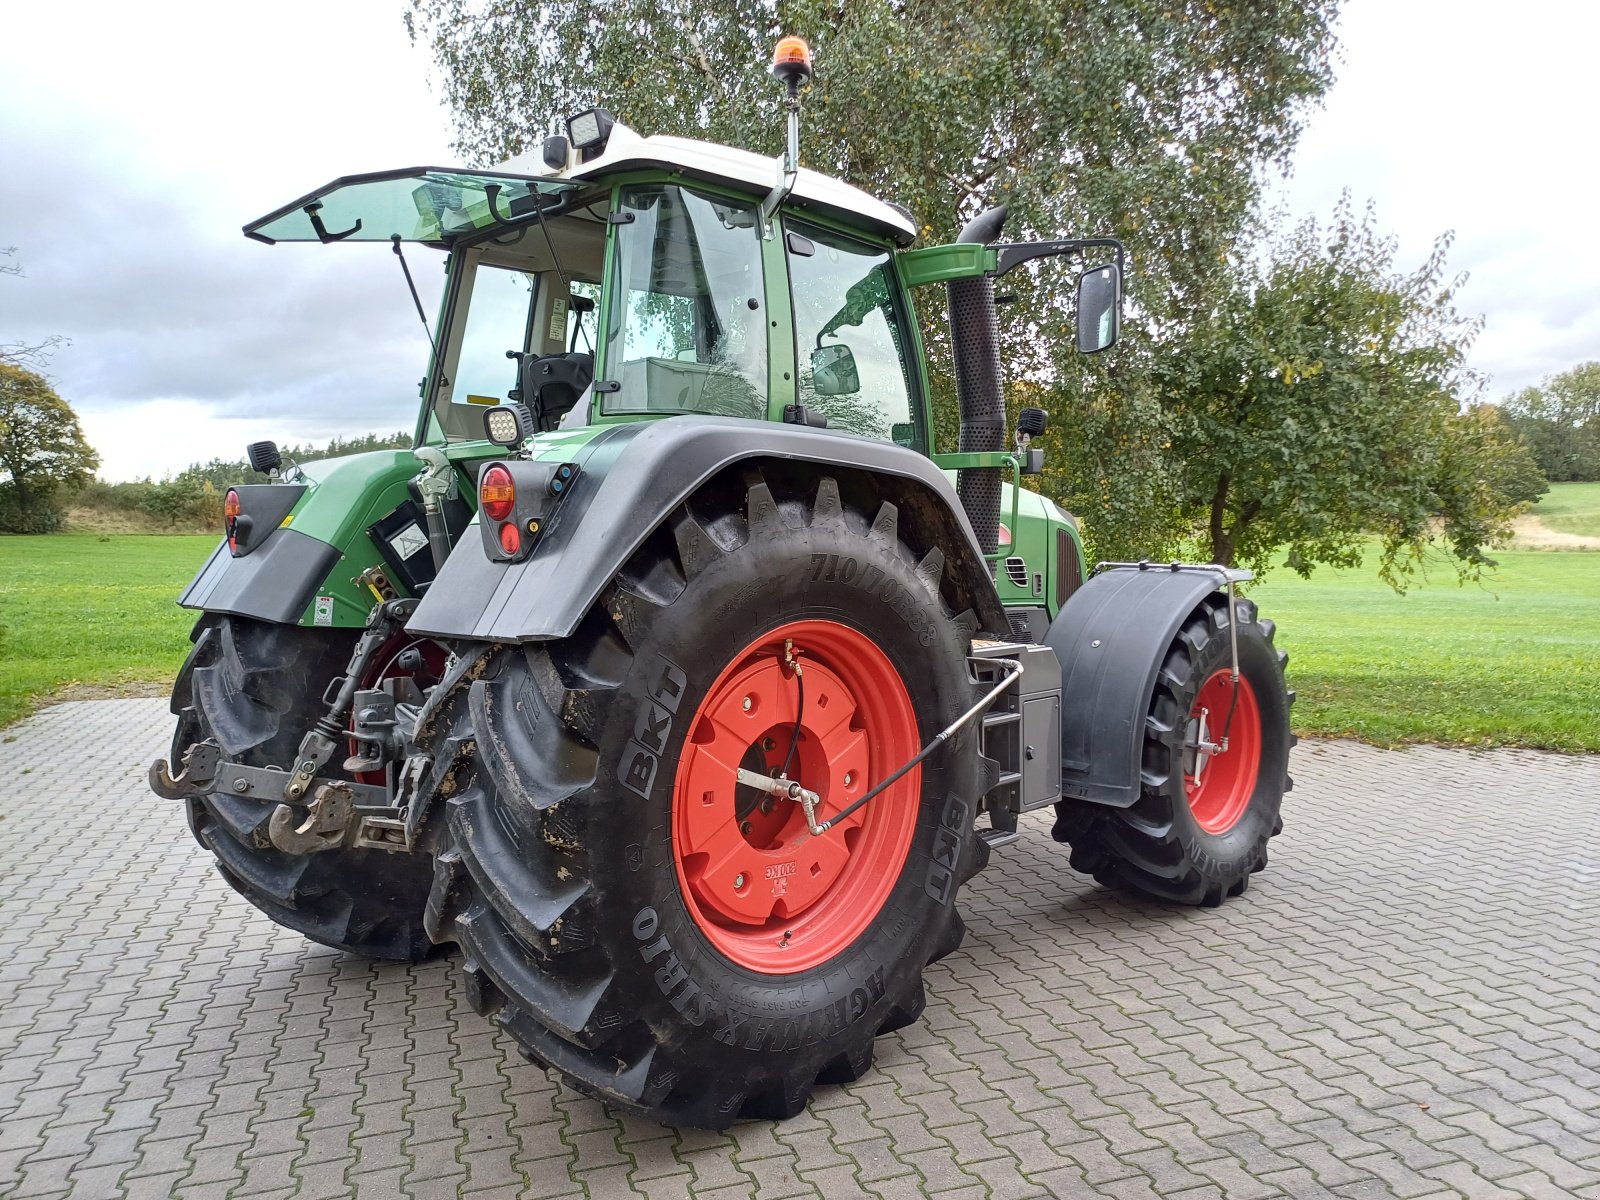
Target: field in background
[
  {"x": 1571, "y": 508},
  {"x": 78, "y": 610},
  {"x": 1512, "y": 661}
]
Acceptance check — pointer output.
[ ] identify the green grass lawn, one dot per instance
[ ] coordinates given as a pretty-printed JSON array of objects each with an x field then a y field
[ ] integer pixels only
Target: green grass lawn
[
  {"x": 1514, "y": 661},
  {"x": 79, "y": 610},
  {"x": 1571, "y": 508}
]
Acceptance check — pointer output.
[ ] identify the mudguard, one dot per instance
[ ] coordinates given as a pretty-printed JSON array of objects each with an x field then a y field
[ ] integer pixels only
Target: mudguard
[
  {"x": 1111, "y": 639},
  {"x": 275, "y": 583},
  {"x": 631, "y": 476},
  {"x": 308, "y": 540}
]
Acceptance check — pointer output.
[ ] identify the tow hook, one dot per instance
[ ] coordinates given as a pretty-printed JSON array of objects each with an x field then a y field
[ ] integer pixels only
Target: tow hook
[
  {"x": 200, "y": 762},
  {"x": 320, "y": 825}
]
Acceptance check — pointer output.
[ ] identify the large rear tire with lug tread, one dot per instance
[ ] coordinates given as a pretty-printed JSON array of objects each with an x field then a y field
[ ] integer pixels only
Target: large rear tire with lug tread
[
  {"x": 1200, "y": 826},
  {"x": 675, "y": 943},
  {"x": 256, "y": 688}
]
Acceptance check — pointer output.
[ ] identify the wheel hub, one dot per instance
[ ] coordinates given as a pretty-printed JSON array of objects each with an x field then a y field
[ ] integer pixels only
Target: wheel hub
[
  {"x": 765, "y": 891},
  {"x": 1219, "y": 776}
]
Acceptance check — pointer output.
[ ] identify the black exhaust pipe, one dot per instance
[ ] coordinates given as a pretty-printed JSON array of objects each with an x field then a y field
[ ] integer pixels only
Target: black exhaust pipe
[{"x": 975, "y": 338}]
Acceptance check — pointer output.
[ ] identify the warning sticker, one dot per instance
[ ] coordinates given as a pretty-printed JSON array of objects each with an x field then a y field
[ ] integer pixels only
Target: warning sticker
[
  {"x": 409, "y": 540},
  {"x": 324, "y": 610}
]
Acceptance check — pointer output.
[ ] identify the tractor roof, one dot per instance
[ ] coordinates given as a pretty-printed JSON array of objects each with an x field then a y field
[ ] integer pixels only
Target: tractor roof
[
  {"x": 434, "y": 204},
  {"x": 629, "y": 151}
]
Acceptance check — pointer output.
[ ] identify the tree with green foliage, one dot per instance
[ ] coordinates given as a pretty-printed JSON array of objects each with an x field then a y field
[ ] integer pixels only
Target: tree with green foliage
[
  {"x": 1150, "y": 123},
  {"x": 1560, "y": 422},
  {"x": 42, "y": 452},
  {"x": 1323, "y": 403}
]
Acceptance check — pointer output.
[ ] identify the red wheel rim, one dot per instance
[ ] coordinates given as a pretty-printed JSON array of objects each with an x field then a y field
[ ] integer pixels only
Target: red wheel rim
[
  {"x": 1220, "y": 783},
  {"x": 767, "y": 894}
]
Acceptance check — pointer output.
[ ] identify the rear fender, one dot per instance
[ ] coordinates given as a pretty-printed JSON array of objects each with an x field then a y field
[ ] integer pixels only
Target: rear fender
[
  {"x": 301, "y": 566},
  {"x": 631, "y": 476},
  {"x": 1111, "y": 638}
]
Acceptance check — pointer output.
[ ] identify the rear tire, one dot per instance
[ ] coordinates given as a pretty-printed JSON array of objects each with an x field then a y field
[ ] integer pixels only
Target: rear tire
[
  {"x": 255, "y": 687},
  {"x": 567, "y": 872},
  {"x": 1183, "y": 841}
]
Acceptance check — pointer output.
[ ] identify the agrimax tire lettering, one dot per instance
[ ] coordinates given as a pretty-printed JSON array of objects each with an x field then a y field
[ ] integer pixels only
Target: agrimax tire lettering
[
  {"x": 652, "y": 728},
  {"x": 841, "y": 568},
  {"x": 734, "y": 1028}
]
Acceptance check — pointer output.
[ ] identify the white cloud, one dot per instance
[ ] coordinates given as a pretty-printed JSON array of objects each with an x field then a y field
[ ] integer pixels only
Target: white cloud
[{"x": 1475, "y": 118}]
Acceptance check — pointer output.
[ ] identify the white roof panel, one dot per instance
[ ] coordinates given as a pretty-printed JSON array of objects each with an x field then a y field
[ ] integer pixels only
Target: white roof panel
[{"x": 626, "y": 149}]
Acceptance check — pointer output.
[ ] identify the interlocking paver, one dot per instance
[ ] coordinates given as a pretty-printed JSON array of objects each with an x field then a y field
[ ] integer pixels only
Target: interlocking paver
[{"x": 1407, "y": 1004}]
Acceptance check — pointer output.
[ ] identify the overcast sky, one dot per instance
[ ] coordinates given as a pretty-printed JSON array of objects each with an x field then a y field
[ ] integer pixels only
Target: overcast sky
[{"x": 135, "y": 140}]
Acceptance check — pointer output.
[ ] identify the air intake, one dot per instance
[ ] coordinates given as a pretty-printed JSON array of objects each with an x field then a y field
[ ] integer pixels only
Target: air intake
[{"x": 975, "y": 338}]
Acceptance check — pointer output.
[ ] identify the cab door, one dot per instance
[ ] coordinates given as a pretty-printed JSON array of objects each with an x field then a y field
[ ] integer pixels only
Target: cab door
[{"x": 856, "y": 357}]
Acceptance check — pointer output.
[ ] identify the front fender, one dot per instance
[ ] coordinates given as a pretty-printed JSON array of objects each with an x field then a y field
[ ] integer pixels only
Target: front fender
[
  {"x": 631, "y": 476},
  {"x": 1111, "y": 638}
]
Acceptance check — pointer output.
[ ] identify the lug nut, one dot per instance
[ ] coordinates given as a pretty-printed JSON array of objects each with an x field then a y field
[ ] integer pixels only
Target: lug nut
[
  {"x": 748, "y": 704},
  {"x": 848, "y": 779},
  {"x": 738, "y": 881}
]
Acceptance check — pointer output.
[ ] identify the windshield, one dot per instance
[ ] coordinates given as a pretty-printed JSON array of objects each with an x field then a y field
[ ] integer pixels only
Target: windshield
[
  {"x": 686, "y": 330},
  {"x": 425, "y": 204}
]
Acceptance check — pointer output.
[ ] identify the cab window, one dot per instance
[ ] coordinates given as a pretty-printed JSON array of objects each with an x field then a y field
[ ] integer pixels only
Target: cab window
[
  {"x": 500, "y": 308},
  {"x": 850, "y": 340},
  {"x": 687, "y": 326}
]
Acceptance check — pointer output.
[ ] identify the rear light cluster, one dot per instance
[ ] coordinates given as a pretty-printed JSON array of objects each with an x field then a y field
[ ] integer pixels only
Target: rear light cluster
[{"x": 515, "y": 500}]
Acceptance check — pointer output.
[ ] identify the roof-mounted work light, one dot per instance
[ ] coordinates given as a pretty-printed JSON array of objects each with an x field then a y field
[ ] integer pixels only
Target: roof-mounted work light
[{"x": 588, "y": 131}]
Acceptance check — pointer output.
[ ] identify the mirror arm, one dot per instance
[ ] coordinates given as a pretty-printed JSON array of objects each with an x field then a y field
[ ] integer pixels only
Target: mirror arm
[{"x": 1014, "y": 254}]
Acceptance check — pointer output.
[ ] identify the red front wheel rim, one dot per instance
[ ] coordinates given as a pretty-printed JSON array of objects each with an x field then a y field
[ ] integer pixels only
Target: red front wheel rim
[
  {"x": 1219, "y": 783},
  {"x": 763, "y": 890}
]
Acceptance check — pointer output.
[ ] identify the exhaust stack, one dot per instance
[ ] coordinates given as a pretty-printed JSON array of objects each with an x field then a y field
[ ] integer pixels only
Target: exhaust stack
[{"x": 975, "y": 339}]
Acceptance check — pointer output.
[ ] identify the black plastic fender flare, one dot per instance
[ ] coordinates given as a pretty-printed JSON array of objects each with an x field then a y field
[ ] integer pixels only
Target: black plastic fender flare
[
  {"x": 1111, "y": 639},
  {"x": 631, "y": 476}
]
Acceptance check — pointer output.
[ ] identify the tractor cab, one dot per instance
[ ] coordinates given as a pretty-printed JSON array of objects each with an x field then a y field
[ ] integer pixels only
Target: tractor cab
[{"x": 713, "y": 303}]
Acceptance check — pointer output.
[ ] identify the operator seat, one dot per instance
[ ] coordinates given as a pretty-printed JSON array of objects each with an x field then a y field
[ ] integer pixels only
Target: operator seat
[{"x": 553, "y": 383}]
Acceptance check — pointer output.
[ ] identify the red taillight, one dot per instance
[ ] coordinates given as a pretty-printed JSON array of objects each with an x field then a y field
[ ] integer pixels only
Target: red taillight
[
  {"x": 510, "y": 538},
  {"x": 497, "y": 495},
  {"x": 230, "y": 517}
]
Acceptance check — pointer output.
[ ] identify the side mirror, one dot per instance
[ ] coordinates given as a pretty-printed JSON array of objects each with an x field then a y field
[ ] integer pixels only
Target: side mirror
[
  {"x": 1099, "y": 309},
  {"x": 833, "y": 371}
]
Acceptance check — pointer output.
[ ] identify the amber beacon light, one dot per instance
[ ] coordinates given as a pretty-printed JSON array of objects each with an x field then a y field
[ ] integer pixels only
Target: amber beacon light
[{"x": 791, "y": 60}]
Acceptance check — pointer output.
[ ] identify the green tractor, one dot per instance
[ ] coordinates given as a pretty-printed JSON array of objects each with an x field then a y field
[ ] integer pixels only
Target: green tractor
[{"x": 671, "y": 676}]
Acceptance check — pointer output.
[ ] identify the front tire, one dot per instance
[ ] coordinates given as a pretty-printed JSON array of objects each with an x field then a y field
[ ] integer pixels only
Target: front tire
[
  {"x": 639, "y": 923},
  {"x": 1200, "y": 826},
  {"x": 256, "y": 687}
]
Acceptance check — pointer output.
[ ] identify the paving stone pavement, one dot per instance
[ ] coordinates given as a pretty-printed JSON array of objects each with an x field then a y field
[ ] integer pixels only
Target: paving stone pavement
[{"x": 1406, "y": 1004}]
